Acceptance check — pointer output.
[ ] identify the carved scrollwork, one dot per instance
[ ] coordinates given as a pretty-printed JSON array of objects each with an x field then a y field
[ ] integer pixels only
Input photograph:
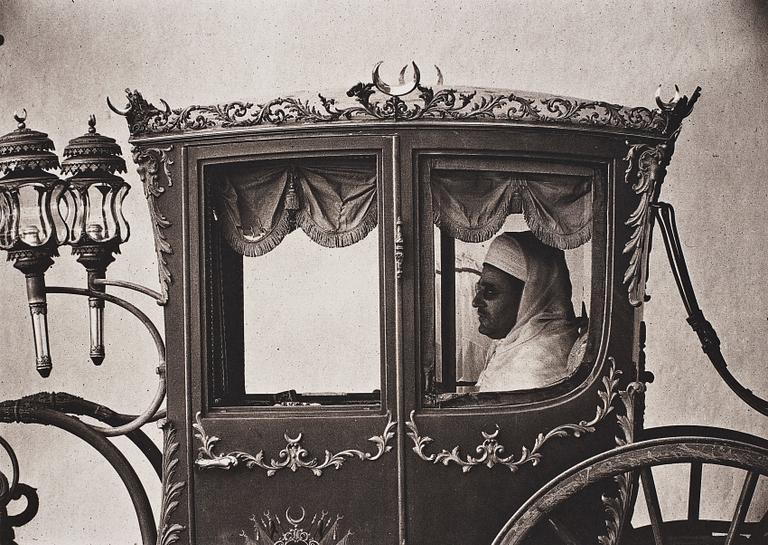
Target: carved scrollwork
[
  {"x": 645, "y": 173},
  {"x": 168, "y": 532},
  {"x": 617, "y": 505},
  {"x": 294, "y": 456},
  {"x": 323, "y": 529},
  {"x": 646, "y": 169},
  {"x": 491, "y": 452},
  {"x": 377, "y": 101},
  {"x": 149, "y": 161}
]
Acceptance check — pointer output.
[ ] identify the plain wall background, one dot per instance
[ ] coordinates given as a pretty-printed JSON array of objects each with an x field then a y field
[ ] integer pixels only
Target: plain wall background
[{"x": 62, "y": 58}]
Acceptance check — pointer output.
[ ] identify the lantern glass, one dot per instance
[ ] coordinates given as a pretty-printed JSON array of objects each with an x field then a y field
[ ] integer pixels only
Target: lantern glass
[
  {"x": 9, "y": 218},
  {"x": 95, "y": 209},
  {"x": 35, "y": 219}
]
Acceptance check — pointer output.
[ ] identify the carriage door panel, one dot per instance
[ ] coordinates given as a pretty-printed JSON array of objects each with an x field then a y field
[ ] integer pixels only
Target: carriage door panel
[
  {"x": 482, "y": 438},
  {"x": 294, "y": 427}
]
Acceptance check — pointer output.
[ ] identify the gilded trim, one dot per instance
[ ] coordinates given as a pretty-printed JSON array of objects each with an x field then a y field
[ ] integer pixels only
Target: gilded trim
[
  {"x": 491, "y": 452},
  {"x": 293, "y": 456},
  {"x": 168, "y": 532},
  {"x": 409, "y": 102},
  {"x": 323, "y": 529},
  {"x": 148, "y": 161}
]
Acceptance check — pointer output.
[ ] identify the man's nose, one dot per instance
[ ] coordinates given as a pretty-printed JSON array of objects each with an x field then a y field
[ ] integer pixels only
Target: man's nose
[{"x": 477, "y": 300}]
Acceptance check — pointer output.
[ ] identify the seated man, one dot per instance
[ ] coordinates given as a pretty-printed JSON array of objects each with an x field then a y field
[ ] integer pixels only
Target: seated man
[{"x": 523, "y": 302}]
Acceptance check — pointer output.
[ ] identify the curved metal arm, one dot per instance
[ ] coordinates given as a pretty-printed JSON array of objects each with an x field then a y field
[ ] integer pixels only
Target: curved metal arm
[
  {"x": 37, "y": 415},
  {"x": 150, "y": 411},
  {"x": 73, "y": 405},
  {"x": 710, "y": 343},
  {"x": 159, "y": 299}
]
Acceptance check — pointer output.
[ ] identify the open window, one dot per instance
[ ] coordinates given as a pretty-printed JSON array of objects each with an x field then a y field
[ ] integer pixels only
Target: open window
[
  {"x": 512, "y": 278},
  {"x": 293, "y": 282}
]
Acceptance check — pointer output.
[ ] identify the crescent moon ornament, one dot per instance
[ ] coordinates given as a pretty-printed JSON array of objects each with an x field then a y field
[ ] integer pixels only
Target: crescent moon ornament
[
  {"x": 667, "y": 105},
  {"x": 439, "y": 75},
  {"x": 117, "y": 111},
  {"x": 292, "y": 520},
  {"x": 399, "y": 90},
  {"x": 20, "y": 118}
]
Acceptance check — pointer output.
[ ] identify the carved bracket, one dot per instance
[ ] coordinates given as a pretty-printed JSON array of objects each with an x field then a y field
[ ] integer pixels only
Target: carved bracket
[
  {"x": 646, "y": 169},
  {"x": 168, "y": 532},
  {"x": 492, "y": 453},
  {"x": 149, "y": 161},
  {"x": 294, "y": 456},
  {"x": 617, "y": 506}
]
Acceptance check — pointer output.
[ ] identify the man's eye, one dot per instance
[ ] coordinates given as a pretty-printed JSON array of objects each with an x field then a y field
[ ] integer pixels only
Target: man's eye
[{"x": 490, "y": 292}]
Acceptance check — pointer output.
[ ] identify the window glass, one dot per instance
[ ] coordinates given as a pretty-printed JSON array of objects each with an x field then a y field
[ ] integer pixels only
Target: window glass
[
  {"x": 498, "y": 332},
  {"x": 312, "y": 318},
  {"x": 512, "y": 244},
  {"x": 293, "y": 284}
]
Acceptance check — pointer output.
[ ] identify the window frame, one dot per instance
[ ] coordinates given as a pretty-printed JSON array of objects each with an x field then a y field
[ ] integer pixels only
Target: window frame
[{"x": 223, "y": 385}]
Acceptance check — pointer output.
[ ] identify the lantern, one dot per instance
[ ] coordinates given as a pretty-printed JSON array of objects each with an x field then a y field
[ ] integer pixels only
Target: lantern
[
  {"x": 95, "y": 218},
  {"x": 31, "y": 228}
]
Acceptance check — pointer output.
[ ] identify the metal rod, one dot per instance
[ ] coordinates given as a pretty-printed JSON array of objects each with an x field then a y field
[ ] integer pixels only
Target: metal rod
[
  {"x": 402, "y": 512},
  {"x": 109, "y": 451},
  {"x": 652, "y": 503},
  {"x": 74, "y": 405},
  {"x": 710, "y": 343},
  {"x": 745, "y": 499},
  {"x": 129, "y": 286},
  {"x": 694, "y": 491},
  {"x": 154, "y": 405}
]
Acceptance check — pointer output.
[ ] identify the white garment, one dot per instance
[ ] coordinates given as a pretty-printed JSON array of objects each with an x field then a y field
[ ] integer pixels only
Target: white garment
[{"x": 534, "y": 354}]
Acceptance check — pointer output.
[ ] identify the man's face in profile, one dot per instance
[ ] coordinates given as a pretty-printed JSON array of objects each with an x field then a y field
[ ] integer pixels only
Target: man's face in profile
[{"x": 497, "y": 299}]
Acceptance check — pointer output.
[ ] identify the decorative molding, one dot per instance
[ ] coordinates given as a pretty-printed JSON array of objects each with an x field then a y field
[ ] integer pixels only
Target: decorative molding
[
  {"x": 270, "y": 530},
  {"x": 617, "y": 507},
  {"x": 646, "y": 169},
  {"x": 492, "y": 453},
  {"x": 168, "y": 532},
  {"x": 378, "y": 101},
  {"x": 294, "y": 456},
  {"x": 399, "y": 248},
  {"x": 148, "y": 161}
]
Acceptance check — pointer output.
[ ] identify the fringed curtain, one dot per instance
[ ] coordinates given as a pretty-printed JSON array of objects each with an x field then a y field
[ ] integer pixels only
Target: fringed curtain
[
  {"x": 473, "y": 205},
  {"x": 332, "y": 200}
]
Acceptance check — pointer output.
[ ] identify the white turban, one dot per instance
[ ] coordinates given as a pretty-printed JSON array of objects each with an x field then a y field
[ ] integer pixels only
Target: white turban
[{"x": 506, "y": 254}]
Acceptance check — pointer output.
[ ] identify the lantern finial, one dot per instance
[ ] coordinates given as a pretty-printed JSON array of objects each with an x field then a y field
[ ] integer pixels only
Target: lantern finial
[
  {"x": 92, "y": 124},
  {"x": 20, "y": 119}
]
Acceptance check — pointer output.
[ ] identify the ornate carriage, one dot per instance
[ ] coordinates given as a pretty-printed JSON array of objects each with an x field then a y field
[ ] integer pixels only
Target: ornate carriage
[{"x": 317, "y": 259}]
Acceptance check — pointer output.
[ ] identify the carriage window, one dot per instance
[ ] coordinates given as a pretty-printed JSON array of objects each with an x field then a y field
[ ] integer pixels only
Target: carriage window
[
  {"x": 294, "y": 293},
  {"x": 512, "y": 281}
]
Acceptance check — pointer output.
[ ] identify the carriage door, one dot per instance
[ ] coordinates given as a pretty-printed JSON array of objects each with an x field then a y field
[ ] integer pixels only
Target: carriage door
[
  {"x": 295, "y": 432},
  {"x": 513, "y": 382}
]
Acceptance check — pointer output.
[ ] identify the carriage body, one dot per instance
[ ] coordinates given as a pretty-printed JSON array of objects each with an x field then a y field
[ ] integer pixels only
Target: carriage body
[{"x": 412, "y": 455}]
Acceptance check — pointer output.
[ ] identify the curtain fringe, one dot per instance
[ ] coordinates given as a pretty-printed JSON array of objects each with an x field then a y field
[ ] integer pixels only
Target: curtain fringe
[
  {"x": 563, "y": 241},
  {"x": 258, "y": 247},
  {"x": 332, "y": 239}
]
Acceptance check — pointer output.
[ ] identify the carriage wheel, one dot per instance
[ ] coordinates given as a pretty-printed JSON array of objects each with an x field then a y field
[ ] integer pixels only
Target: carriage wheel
[{"x": 695, "y": 446}]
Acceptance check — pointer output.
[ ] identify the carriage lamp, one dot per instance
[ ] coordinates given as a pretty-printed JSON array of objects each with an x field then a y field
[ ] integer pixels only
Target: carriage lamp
[
  {"x": 94, "y": 217},
  {"x": 31, "y": 227}
]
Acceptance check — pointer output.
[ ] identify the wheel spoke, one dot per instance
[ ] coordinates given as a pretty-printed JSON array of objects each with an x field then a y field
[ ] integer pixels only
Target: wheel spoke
[
  {"x": 652, "y": 502},
  {"x": 745, "y": 499},
  {"x": 565, "y": 535},
  {"x": 694, "y": 491}
]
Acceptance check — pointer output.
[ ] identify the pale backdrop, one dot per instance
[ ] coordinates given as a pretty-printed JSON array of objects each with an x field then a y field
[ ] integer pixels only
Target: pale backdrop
[{"x": 62, "y": 58}]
